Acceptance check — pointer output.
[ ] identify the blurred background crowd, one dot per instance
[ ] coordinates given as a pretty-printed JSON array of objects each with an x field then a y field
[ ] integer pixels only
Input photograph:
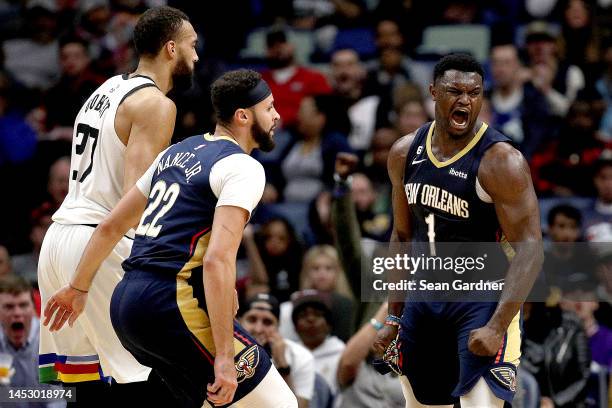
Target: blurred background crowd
[{"x": 348, "y": 76}]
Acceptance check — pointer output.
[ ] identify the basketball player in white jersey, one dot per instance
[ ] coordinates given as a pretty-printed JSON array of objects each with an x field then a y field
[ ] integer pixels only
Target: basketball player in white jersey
[{"x": 118, "y": 132}]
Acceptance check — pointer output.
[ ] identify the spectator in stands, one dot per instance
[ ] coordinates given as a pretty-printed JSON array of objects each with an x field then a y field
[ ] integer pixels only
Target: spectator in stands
[
  {"x": 57, "y": 185},
  {"x": 323, "y": 272},
  {"x": 362, "y": 386},
  {"x": 392, "y": 68},
  {"x": 78, "y": 81},
  {"x": 374, "y": 225},
  {"x": 561, "y": 166},
  {"x": 519, "y": 110},
  {"x": 375, "y": 167},
  {"x": 309, "y": 165},
  {"x": 410, "y": 114},
  {"x": 33, "y": 59},
  {"x": 26, "y": 265},
  {"x": 290, "y": 83},
  {"x": 567, "y": 262},
  {"x": 348, "y": 75},
  {"x": 580, "y": 37},
  {"x": 20, "y": 336},
  {"x": 260, "y": 317},
  {"x": 556, "y": 352},
  {"x": 309, "y": 14},
  {"x": 275, "y": 257},
  {"x": 558, "y": 81},
  {"x": 17, "y": 138},
  {"x": 604, "y": 88},
  {"x": 313, "y": 322},
  {"x": 598, "y": 217},
  {"x": 6, "y": 266},
  {"x": 319, "y": 219},
  {"x": 582, "y": 300},
  {"x": 603, "y": 314}
]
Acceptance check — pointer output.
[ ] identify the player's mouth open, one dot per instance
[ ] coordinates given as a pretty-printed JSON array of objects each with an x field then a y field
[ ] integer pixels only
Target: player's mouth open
[
  {"x": 17, "y": 326},
  {"x": 460, "y": 118}
]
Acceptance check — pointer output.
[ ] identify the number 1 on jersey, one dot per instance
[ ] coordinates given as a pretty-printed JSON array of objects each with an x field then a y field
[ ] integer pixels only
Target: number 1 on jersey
[{"x": 431, "y": 233}]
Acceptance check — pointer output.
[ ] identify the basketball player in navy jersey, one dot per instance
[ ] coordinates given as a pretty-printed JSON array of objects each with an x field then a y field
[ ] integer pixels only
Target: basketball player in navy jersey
[
  {"x": 467, "y": 351},
  {"x": 175, "y": 306}
]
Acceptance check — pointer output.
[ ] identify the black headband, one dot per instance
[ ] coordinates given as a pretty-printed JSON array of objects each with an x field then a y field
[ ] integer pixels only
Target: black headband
[{"x": 260, "y": 92}]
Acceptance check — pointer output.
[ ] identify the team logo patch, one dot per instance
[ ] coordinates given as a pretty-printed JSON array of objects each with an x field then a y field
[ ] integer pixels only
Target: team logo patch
[
  {"x": 506, "y": 376},
  {"x": 247, "y": 363}
]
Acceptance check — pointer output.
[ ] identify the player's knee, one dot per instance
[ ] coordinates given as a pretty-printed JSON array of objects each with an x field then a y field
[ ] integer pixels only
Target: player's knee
[{"x": 481, "y": 396}]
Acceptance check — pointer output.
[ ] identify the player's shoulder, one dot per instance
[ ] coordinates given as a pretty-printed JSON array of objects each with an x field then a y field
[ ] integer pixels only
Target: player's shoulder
[
  {"x": 503, "y": 165},
  {"x": 401, "y": 147},
  {"x": 150, "y": 101},
  {"x": 240, "y": 163}
]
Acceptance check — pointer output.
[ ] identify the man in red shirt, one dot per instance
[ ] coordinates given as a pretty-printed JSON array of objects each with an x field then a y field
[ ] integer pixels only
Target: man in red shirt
[{"x": 289, "y": 82}]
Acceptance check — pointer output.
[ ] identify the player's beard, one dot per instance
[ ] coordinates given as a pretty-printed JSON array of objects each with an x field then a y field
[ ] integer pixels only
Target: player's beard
[
  {"x": 262, "y": 137},
  {"x": 182, "y": 77}
]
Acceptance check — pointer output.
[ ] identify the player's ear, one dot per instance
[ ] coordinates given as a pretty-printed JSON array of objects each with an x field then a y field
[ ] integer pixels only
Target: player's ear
[
  {"x": 170, "y": 48},
  {"x": 432, "y": 91},
  {"x": 241, "y": 116}
]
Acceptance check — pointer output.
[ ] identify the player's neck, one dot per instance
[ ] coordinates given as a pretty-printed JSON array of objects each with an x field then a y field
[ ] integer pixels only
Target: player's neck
[
  {"x": 241, "y": 138},
  {"x": 160, "y": 75},
  {"x": 448, "y": 145}
]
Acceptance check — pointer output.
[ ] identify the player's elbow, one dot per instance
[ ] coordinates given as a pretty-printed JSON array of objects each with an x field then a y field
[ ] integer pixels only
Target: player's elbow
[
  {"x": 109, "y": 227},
  {"x": 216, "y": 264}
]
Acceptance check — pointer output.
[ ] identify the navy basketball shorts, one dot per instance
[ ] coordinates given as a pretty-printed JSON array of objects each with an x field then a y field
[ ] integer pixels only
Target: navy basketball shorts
[
  {"x": 434, "y": 355},
  {"x": 162, "y": 321}
]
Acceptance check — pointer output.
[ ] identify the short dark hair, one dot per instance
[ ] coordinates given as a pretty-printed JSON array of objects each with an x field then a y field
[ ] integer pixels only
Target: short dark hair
[
  {"x": 156, "y": 27},
  {"x": 569, "y": 211},
  {"x": 458, "y": 61},
  {"x": 228, "y": 89},
  {"x": 14, "y": 285}
]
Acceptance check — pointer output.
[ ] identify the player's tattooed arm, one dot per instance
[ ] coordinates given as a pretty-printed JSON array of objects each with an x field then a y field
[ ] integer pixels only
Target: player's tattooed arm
[
  {"x": 504, "y": 175},
  {"x": 152, "y": 117}
]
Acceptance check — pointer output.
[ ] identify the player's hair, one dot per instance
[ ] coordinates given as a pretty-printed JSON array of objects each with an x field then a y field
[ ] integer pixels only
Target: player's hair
[
  {"x": 155, "y": 28},
  {"x": 14, "y": 285},
  {"x": 229, "y": 88},
  {"x": 458, "y": 61},
  {"x": 567, "y": 210},
  {"x": 342, "y": 285}
]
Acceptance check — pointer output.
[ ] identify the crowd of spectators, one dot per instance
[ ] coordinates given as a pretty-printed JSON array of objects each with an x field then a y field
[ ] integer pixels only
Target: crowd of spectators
[{"x": 348, "y": 76}]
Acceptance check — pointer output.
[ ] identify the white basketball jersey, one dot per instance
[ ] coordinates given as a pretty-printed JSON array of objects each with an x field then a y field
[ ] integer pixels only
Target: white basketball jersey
[{"x": 98, "y": 155}]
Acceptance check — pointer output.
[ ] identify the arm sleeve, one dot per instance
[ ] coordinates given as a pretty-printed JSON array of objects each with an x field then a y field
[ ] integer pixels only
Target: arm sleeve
[
  {"x": 238, "y": 180},
  {"x": 144, "y": 182}
]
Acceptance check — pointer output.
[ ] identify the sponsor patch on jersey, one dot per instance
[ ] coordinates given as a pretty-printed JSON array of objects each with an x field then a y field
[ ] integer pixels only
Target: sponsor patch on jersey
[
  {"x": 247, "y": 363},
  {"x": 506, "y": 376}
]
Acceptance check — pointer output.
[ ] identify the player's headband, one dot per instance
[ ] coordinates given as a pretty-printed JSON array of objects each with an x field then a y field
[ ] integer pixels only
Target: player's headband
[{"x": 260, "y": 92}]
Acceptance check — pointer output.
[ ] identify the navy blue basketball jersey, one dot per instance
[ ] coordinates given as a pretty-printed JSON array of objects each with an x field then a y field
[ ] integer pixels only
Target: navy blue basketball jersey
[
  {"x": 175, "y": 227},
  {"x": 442, "y": 196}
]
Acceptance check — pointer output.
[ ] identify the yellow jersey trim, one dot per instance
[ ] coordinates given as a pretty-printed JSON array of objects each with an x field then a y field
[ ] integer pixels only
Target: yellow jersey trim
[
  {"x": 457, "y": 156},
  {"x": 213, "y": 138}
]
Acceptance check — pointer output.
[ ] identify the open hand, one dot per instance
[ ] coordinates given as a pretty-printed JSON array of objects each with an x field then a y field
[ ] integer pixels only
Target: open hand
[{"x": 67, "y": 304}]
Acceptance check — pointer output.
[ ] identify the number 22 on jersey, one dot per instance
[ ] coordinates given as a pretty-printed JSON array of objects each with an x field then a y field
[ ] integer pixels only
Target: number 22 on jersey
[{"x": 160, "y": 194}]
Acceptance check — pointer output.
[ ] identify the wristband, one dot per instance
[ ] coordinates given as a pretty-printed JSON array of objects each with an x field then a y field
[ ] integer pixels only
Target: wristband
[
  {"x": 392, "y": 320},
  {"x": 77, "y": 289},
  {"x": 376, "y": 324}
]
